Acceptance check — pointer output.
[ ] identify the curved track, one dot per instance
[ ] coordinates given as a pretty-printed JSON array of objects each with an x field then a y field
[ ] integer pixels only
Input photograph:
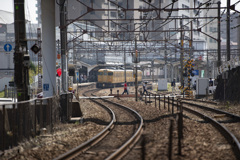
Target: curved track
[
  {"x": 86, "y": 145},
  {"x": 228, "y": 124},
  {"x": 116, "y": 141}
]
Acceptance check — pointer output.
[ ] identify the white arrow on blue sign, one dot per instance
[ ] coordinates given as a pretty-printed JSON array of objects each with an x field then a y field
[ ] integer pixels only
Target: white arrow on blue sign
[
  {"x": 7, "y": 47},
  {"x": 77, "y": 76}
]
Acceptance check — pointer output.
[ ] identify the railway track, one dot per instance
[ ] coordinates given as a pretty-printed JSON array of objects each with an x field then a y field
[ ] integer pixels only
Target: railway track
[
  {"x": 117, "y": 138},
  {"x": 226, "y": 123}
]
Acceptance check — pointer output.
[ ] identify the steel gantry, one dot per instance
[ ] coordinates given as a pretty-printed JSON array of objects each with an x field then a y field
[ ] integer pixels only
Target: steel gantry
[
  {"x": 152, "y": 19},
  {"x": 118, "y": 23}
]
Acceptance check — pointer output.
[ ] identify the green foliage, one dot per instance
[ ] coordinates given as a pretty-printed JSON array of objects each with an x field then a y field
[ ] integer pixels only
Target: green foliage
[
  {"x": 33, "y": 67},
  {"x": 2, "y": 94},
  {"x": 76, "y": 122},
  {"x": 32, "y": 72},
  {"x": 227, "y": 104},
  {"x": 169, "y": 88}
]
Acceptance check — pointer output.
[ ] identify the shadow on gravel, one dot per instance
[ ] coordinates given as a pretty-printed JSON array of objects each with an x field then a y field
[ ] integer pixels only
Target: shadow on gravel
[
  {"x": 229, "y": 121},
  {"x": 200, "y": 121},
  {"x": 159, "y": 118},
  {"x": 127, "y": 123},
  {"x": 204, "y": 121},
  {"x": 95, "y": 120}
]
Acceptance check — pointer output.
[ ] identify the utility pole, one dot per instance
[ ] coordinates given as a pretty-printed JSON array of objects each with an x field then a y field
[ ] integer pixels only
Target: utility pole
[
  {"x": 191, "y": 42},
  {"x": 207, "y": 66},
  {"x": 219, "y": 34},
  {"x": 21, "y": 57},
  {"x": 228, "y": 30},
  {"x": 97, "y": 56},
  {"x": 63, "y": 34},
  {"x": 181, "y": 56},
  {"x": 74, "y": 62},
  {"x": 152, "y": 70},
  {"x": 165, "y": 56},
  {"x": 239, "y": 37},
  {"x": 190, "y": 54},
  {"x": 39, "y": 61},
  {"x": 136, "y": 75},
  {"x": 125, "y": 79}
]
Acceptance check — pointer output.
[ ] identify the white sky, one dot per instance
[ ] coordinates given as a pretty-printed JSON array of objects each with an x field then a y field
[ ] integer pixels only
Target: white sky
[
  {"x": 7, "y": 5},
  {"x": 30, "y": 7}
]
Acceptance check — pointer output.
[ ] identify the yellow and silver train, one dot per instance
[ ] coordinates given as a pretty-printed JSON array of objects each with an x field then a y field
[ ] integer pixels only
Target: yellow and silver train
[{"x": 109, "y": 78}]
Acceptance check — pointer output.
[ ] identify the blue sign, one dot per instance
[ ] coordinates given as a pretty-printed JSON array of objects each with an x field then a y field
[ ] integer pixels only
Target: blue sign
[
  {"x": 45, "y": 87},
  {"x": 7, "y": 47},
  {"x": 196, "y": 72},
  {"x": 77, "y": 76}
]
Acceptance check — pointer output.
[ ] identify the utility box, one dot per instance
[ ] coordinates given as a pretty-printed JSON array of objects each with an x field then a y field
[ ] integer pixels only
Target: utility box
[
  {"x": 162, "y": 84},
  {"x": 202, "y": 85}
]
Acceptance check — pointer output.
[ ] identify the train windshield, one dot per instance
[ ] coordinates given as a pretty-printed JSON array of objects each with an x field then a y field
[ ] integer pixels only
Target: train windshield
[
  {"x": 100, "y": 73},
  {"x": 110, "y": 73}
]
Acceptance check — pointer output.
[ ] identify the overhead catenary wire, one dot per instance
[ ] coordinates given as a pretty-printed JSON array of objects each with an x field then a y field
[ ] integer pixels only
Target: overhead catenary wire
[{"x": 145, "y": 32}]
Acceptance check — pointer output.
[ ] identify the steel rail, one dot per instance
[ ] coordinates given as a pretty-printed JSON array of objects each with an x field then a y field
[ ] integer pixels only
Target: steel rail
[
  {"x": 236, "y": 117},
  {"x": 88, "y": 144},
  {"x": 127, "y": 146},
  {"x": 197, "y": 100},
  {"x": 232, "y": 140}
]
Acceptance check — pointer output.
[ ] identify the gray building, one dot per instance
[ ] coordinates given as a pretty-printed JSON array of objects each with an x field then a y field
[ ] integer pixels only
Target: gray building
[
  {"x": 6, "y": 57},
  {"x": 233, "y": 26},
  {"x": 7, "y": 36}
]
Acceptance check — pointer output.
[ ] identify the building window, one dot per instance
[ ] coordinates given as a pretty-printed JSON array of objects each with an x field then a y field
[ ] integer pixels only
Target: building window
[
  {"x": 212, "y": 40},
  {"x": 120, "y": 3},
  {"x": 185, "y": 6},
  {"x": 91, "y": 34},
  {"x": 113, "y": 14},
  {"x": 112, "y": 4},
  {"x": 184, "y": 16},
  {"x": 113, "y": 24},
  {"x": 213, "y": 29}
]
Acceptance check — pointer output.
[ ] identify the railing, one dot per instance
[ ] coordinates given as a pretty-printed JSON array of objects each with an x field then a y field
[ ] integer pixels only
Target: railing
[{"x": 22, "y": 120}]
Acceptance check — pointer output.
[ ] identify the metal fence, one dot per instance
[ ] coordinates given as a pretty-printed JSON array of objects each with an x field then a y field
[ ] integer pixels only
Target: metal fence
[
  {"x": 22, "y": 120},
  {"x": 10, "y": 92}
]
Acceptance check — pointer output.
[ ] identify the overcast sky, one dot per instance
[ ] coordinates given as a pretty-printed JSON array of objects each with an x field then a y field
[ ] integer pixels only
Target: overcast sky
[
  {"x": 7, "y": 5},
  {"x": 30, "y": 7}
]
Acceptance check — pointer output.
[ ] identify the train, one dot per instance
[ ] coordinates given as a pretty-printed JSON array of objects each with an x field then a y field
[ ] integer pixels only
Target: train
[{"x": 110, "y": 78}]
